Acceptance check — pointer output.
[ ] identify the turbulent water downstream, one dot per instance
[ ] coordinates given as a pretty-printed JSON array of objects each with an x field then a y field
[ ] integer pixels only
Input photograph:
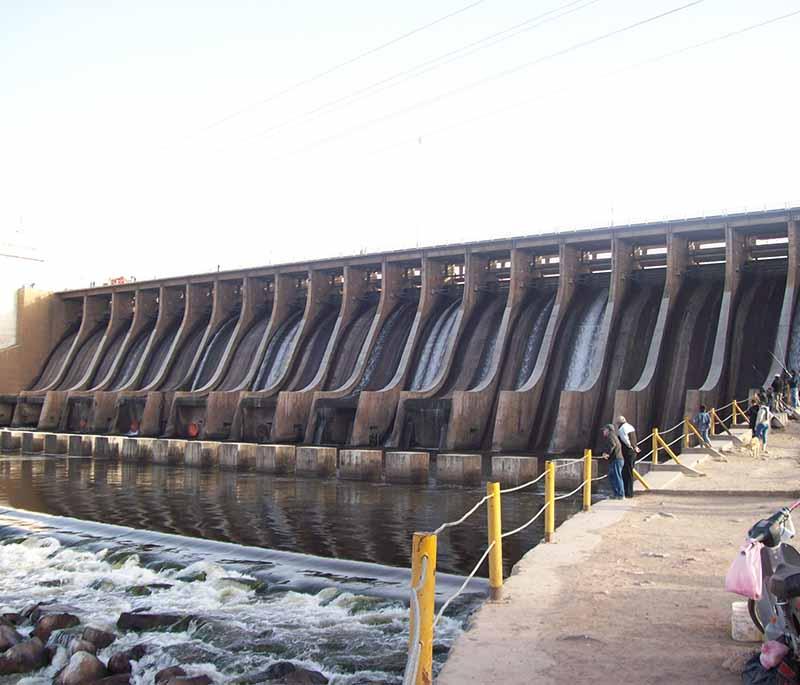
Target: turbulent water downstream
[{"x": 271, "y": 568}]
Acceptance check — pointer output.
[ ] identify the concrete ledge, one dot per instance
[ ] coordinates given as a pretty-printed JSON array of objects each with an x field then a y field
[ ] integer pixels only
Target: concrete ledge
[
  {"x": 513, "y": 471},
  {"x": 10, "y": 441},
  {"x": 462, "y": 469},
  {"x": 79, "y": 445},
  {"x": 55, "y": 443},
  {"x": 569, "y": 472},
  {"x": 137, "y": 449},
  {"x": 316, "y": 461},
  {"x": 407, "y": 467},
  {"x": 168, "y": 451},
  {"x": 277, "y": 459},
  {"x": 201, "y": 453},
  {"x": 32, "y": 443},
  {"x": 361, "y": 465},
  {"x": 239, "y": 456},
  {"x": 107, "y": 447}
]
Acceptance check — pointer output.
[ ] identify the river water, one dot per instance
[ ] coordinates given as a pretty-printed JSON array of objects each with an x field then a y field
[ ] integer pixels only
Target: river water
[{"x": 273, "y": 568}]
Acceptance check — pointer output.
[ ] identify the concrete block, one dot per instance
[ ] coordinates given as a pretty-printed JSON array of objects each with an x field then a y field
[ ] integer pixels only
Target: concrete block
[
  {"x": 569, "y": 472},
  {"x": 513, "y": 471},
  {"x": 107, "y": 447},
  {"x": 168, "y": 451},
  {"x": 277, "y": 459},
  {"x": 237, "y": 455},
  {"x": 137, "y": 449},
  {"x": 79, "y": 445},
  {"x": 407, "y": 467},
  {"x": 201, "y": 453},
  {"x": 461, "y": 469},
  {"x": 32, "y": 443},
  {"x": 55, "y": 443},
  {"x": 361, "y": 465},
  {"x": 10, "y": 441},
  {"x": 316, "y": 461}
]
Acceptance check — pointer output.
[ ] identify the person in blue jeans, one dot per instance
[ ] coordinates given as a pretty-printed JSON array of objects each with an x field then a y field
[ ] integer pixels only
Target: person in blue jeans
[
  {"x": 616, "y": 460},
  {"x": 702, "y": 421}
]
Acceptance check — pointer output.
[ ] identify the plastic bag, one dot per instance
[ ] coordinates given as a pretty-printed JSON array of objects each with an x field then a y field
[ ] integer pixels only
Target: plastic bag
[
  {"x": 772, "y": 653},
  {"x": 755, "y": 674},
  {"x": 744, "y": 575}
]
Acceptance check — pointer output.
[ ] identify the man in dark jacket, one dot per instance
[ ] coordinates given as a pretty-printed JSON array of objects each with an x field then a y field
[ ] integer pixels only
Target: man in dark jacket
[
  {"x": 752, "y": 415},
  {"x": 613, "y": 452}
]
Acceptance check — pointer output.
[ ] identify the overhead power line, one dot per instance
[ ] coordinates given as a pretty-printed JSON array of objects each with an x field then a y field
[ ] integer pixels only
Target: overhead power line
[{"x": 342, "y": 65}]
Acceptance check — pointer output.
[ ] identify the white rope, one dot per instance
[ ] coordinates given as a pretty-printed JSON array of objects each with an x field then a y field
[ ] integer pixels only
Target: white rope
[
  {"x": 641, "y": 459},
  {"x": 524, "y": 526},
  {"x": 463, "y": 585},
  {"x": 669, "y": 430},
  {"x": 524, "y": 485},
  {"x": 727, "y": 418},
  {"x": 594, "y": 480},
  {"x": 644, "y": 440},
  {"x": 678, "y": 439},
  {"x": 570, "y": 494},
  {"x": 412, "y": 664},
  {"x": 450, "y": 524}
]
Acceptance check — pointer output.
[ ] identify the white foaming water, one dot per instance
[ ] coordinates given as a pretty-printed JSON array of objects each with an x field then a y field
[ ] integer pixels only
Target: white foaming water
[
  {"x": 586, "y": 342},
  {"x": 534, "y": 343},
  {"x": 432, "y": 356},
  {"x": 238, "y": 631}
]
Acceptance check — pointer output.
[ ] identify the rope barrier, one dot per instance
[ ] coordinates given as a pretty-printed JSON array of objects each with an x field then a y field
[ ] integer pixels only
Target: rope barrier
[
  {"x": 451, "y": 524},
  {"x": 678, "y": 439},
  {"x": 524, "y": 485},
  {"x": 570, "y": 494},
  {"x": 412, "y": 665},
  {"x": 463, "y": 585},
  {"x": 524, "y": 526}
]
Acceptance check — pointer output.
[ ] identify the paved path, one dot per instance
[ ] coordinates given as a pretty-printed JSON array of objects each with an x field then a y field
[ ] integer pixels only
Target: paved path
[{"x": 632, "y": 592}]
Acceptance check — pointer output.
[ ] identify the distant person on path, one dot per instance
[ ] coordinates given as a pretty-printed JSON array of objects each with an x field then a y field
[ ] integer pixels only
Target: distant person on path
[
  {"x": 613, "y": 452},
  {"x": 702, "y": 421},
  {"x": 762, "y": 425},
  {"x": 777, "y": 392},
  {"x": 627, "y": 437}
]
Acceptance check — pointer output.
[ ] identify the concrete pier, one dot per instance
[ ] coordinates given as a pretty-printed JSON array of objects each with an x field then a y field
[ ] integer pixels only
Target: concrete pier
[
  {"x": 513, "y": 471},
  {"x": 407, "y": 467},
  {"x": 10, "y": 441},
  {"x": 569, "y": 472},
  {"x": 238, "y": 456},
  {"x": 277, "y": 459},
  {"x": 168, "y": 451},
  {"x": 79, "y": 445},
  {"x": 32, "y": 443},
  {"x": 55, "y": 443},
  {"x": 460, "y": 469},
  {"x": 201, "y": 453},
  {"x": 316, "y": 461},
  {"x": 107, "y": 447},
  {"x": 361, "y": 465},
  {"x": 137, "y": 449}
]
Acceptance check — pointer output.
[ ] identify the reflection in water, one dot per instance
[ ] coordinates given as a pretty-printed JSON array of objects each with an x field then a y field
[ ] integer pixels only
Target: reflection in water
[{"x": 327, "y": 518}]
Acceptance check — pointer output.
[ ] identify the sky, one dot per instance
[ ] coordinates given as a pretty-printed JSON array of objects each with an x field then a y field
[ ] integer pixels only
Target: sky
[{"x": 150, "y": 139}]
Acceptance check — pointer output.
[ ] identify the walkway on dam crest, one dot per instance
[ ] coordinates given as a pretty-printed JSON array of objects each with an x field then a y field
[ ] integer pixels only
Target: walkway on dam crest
[{"x": 633, "y": 591}]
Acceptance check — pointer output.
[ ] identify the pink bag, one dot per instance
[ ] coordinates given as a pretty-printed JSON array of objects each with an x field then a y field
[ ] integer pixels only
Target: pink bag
[
  {"x": 772, "y": 653},
  {"x": 744, "y": 575}
]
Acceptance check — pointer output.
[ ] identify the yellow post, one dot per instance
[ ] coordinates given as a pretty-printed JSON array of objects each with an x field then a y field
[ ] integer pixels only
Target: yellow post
[
  {"x": 686, "y": 442},
  {"x": 587, "y": 480},
  {"x": 550, "y": 501},
  {"x": 423, "y": 546},
  {"x": 654, "y": 456},
  {"x": 638, "y": 477},
  {"x": 495, "y": 528},
  {"x": 713, "y": 421}
]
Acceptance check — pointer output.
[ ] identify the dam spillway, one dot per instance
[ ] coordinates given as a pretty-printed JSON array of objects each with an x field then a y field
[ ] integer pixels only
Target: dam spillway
[{"x": 521, "y": 346}]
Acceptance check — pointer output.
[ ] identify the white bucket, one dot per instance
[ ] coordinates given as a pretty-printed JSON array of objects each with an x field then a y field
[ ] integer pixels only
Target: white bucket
[{"x": 742, "y": 627}]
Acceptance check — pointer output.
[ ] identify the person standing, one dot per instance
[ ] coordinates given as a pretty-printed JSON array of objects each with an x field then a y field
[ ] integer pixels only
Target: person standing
[
  {"x": 627, "y": 437},
  {"x": 762, "y": 425},
  {"x": 702, "y": 421},
  {"x": 613, "y": 452},
  {"x": 752, "y": 415}
]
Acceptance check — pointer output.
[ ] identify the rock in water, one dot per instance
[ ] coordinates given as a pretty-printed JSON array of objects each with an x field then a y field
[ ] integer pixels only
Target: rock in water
[
  {"x": 82, "y": 668},
  {"x": 165, "y": 674},
  {"x": 35, "y": 612},
  {"x": 25, "y": 657},
  {"x": 99, "y": 638},
  {"x": 52, "y": 622},
  {"x": 119, "y": 679},
  {"x": 8, "y": 637},
  {"x": 81, "y": 645},
  {"x": 187, "y": 680},
  {"x": 121, "y": 661},
  {"x": 142, "y": 622},
  {"x": 290, "y": 674}
]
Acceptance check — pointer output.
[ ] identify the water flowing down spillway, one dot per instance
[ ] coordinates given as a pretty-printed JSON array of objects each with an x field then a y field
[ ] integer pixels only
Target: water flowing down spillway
[
  {"x": 162, "y": 348},
  {"x": 214, "y": 352},
  {"x": 526, "y": 339},
  {"x": 389, "y": 345},
  {"x": 244, "y": 352},
  {"x": 486, "y": 333},
  {"x": 587, "y": 342},
  {"x": 133, "y": 356},
  {"x": 179, "y": 369},
  {"x": 349, "y": 347},
  {"x": 313, "y": 349},
  {"x": 278, "y": 351},
  {"x": 109, "y": 355},
  {"x": 83, "y": 357},
  {"x": 439, "y": 336},
  {"x": 56, "y": 360},
  {"x": 793, "y": 356}
]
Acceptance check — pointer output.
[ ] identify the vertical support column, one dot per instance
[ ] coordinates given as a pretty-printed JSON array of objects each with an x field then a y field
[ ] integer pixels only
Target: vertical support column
[
  {"x": 423, "y": 584},
  {"x": 654, "y": 456},
  {"x": 587, "y": 480},
  {"x": 550, "y": 502},
  {"x": 495, "y": 529}
]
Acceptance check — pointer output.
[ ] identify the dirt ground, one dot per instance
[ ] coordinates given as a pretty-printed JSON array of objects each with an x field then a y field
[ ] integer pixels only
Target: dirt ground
[{"x": 633, "y": 591}]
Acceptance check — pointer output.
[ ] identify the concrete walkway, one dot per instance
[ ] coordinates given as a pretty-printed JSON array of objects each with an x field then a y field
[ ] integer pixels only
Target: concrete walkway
[{"x": 632, "y": 591}]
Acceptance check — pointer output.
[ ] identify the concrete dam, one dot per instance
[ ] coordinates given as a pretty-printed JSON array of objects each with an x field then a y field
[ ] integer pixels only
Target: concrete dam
[{"x": 517, "y": 346}]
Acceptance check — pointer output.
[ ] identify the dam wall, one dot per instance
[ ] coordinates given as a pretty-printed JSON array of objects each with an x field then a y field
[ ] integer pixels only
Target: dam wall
[{"x": 524, "y": 345}]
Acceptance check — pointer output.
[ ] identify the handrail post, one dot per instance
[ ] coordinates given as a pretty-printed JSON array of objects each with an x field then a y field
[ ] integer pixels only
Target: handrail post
[
  {"x": 686, "y": 441},
  {"x": 422, "y": 546},
  {"x": 654, "y": 456},
  {"x": 587, "y": 480},
  {"x": 550, "y": 501},
  {"x": 495, "y": 529},
  {"x": 713, "y": 421}
]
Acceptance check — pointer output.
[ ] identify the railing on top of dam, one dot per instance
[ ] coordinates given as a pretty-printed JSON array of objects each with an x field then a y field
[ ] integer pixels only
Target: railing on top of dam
[{"x": 423, "y": 619}]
